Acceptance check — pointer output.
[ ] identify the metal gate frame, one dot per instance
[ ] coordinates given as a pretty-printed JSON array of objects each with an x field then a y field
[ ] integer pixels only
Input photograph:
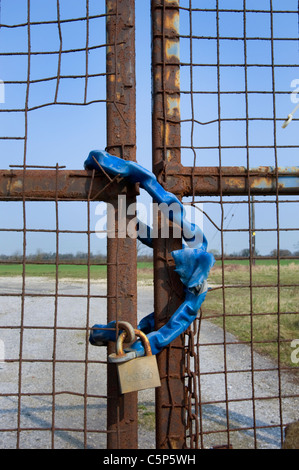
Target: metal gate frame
[
  {"x": 56, "y": 184},
  {"x": 175, "y": 414},
  {"x": 122, "y": 280},
  {"x": 172, "y": 399}
]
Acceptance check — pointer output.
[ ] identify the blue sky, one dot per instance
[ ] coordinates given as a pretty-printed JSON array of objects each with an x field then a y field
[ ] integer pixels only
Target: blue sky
[{"x": 66, "y": 134}]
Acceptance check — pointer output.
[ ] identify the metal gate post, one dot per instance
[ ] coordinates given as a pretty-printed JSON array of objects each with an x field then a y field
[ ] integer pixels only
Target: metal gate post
[
  {"x": 168, "y": 292},
  {"x": 122, "y": 419}
]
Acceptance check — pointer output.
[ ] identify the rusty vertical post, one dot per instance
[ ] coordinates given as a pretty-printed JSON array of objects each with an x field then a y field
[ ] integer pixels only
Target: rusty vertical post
[
  {"x": 168, "y": 292},
  {"x": 121, "y": 252}
]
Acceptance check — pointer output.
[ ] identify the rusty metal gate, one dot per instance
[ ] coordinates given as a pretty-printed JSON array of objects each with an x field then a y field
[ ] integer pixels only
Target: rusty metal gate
[{"x": 222, "y": 77}]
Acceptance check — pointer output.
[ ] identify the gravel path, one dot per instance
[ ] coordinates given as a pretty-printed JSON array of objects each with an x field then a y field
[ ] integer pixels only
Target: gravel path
[{"x": 70, "y": 410}]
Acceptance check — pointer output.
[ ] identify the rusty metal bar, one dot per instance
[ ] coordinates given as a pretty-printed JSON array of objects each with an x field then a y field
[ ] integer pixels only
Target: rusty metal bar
[
  {"x": 190, "y": 181},
  {"x": 170, "y": 421},
  {"x": 182, "y": 181},
  {"x": 71, "y": 185},
  {"x": 122, "y": 417}
]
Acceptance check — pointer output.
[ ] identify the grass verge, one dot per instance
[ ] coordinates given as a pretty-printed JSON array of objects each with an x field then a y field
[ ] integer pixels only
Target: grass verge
[
  {"x": 144, "y": 270},
  {"x": 258, "y": 304}
]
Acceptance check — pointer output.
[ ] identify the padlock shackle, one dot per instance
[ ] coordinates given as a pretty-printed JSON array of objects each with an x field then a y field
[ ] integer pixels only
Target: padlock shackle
[{"x": 144, "y": 339}]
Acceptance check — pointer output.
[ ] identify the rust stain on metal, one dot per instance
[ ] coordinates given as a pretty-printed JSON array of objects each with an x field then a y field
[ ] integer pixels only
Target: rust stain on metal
[
  {"x": 165, "y": 133},
  {"x": 175, "y": 3},
  {"x": 177, "y": 80},
  {"x": 186, "y": 181},
  {"x": 169, "y": 155},
  {"x": 15, "y": 186},
  {"x": 64, "y": 184},
  {"x": 172, "y": 22},
  {"x": 172, "y": 49},
  {"x": 262, "y": 182},
  {"x": 173, "y": 107},
  {"x": 174, "y": 442},
  {"x": 173, "y": 74}
]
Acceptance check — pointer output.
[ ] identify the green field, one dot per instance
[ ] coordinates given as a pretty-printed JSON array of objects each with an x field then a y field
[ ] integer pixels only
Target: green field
[
  {"x": 247, "y": 307},
  {"x": 49, "y": 270},
  {"x": 72, "y": 271},
  {"x": 259, "y": 262},
  {"x": 145, "y": 269}
]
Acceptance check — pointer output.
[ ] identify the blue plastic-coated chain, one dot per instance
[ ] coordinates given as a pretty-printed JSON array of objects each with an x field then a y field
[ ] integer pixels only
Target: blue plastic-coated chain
[
  {"x": 135, "y": 173},
  {"x": 193, "y": 262}
]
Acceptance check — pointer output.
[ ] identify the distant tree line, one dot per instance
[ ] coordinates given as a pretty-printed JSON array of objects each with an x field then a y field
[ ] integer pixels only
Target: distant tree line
[
  {"x": 245, "y": 253},
  {"x": 144, "y": 255},
  {"x": 71, "y": 258},
  {"x": 41, "y": 256}
]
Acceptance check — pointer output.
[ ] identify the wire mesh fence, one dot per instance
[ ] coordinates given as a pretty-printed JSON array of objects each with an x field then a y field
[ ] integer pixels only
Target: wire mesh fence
[
  {"x": 48, "y": 392},
  {"x": 239, "y": 356},
  {"x": 54, "y": 70},
  {"x": 223, "y": 75},
  {"x": 238, "y": 69}
]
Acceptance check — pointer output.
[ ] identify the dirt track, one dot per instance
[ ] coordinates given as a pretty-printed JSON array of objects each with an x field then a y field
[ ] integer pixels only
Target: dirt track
[{"x": 70, "y": 410}]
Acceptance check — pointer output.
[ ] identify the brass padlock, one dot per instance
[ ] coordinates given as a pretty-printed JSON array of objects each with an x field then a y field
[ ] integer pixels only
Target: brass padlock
[{"x": 135, "y": 373}]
